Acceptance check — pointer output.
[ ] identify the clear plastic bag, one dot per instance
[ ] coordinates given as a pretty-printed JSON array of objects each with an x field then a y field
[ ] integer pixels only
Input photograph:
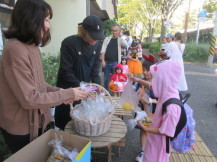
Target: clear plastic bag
[
  {"x": 129, "y": 99},
  {"x": 93, "y": 109},
  {"x": 86, "y": 88},
  {"x": 60, "y": 153},
  {"x": 140, "y": 116}
]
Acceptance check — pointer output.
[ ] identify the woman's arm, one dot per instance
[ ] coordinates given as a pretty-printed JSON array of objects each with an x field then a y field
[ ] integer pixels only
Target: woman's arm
[{"x": 51, "y": 88}]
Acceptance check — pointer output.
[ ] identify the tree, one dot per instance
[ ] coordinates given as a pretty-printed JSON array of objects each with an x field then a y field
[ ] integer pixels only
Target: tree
[
  {"x": 148, "y": 11},
  {"x": 167, "y": 9},
  {"x": 210, "y": 6},
  {"x": 139, "y": 14},
  {"x": 107, "y": 26}
]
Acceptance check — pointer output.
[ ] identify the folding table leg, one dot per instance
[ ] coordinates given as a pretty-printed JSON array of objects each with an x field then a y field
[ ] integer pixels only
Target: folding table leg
[{"x": 109, "y": 153}]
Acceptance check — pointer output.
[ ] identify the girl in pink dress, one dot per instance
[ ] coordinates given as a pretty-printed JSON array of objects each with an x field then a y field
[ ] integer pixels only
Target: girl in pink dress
[
  {"x": 124, "y": 65},
  {"x": 165, "y": 76}
]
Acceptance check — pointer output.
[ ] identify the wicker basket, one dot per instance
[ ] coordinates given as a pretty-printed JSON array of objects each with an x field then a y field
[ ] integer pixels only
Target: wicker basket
[{"x": 86, "y": 128}]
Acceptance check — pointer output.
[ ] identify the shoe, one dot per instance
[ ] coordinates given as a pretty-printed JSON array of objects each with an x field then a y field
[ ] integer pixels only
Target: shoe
[{"x": 140, "y": 156}]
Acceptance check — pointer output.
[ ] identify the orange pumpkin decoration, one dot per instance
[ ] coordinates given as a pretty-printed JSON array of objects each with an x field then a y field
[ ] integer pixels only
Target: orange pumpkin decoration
[{"x": 112, "y": 86}]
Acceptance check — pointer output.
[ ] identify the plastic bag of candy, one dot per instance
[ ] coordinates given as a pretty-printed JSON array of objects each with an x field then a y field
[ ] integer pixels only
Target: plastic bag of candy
[{"x": 59, "y": 152}]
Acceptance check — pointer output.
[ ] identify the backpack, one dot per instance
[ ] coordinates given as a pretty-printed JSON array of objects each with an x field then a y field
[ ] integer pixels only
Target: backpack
[{"x": 184, "y": 134}]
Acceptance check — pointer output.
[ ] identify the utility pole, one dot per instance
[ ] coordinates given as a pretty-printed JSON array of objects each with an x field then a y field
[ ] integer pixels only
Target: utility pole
[
  {"x": 198, "y": 25},
  {"x": 186, "y": 22},
  {"x": 212, "y": 46}
]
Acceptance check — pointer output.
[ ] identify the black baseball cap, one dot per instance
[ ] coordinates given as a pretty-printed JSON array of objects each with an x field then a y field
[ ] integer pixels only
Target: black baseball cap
[{"x": 94, "y": 26}]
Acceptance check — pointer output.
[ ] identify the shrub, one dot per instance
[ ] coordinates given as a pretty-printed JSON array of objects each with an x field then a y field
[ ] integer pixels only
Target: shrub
[
  {"x": 145, "y": 45},
  {"x": 154, "y": 48},
  {"x": 50, "y": 66},
  {"x": 4, "y": 150},
  {"x": 196, "y": 52},
  {"x": 107, "y": 26}
]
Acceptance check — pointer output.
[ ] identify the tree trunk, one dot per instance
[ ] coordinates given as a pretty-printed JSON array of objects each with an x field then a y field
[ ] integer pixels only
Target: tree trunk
[
  {"x": 141, "y": 35},
  {"x": 149, "y": 32},
  {"x": 163, "y": 29}
]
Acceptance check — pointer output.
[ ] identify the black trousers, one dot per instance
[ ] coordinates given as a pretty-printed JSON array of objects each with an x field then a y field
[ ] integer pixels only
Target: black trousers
[
  {"x": 62, "y": 115},
  {"x": 16, "y": 142}
]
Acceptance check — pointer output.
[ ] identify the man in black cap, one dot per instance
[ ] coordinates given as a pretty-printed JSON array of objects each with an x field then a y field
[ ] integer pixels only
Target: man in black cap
[{"x": 80, "y": 61}]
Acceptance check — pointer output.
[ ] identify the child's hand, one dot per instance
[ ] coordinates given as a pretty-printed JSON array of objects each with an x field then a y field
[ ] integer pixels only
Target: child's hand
[
  {"x": 162, "y": 53},
  {"x": 154, "y": 101},
  {"x": 131, "y": 77},
  {"x": 141, "y": 125},
  {"x": 122, "y": 78}
]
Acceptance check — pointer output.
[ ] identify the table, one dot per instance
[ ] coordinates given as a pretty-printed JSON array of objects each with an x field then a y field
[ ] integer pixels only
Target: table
[
  {"x": 117, "y": 131},
  {"x": 119, "y": 111}
]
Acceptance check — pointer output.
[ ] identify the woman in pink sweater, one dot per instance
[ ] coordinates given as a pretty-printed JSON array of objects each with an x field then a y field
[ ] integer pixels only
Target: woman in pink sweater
[{"x": 25, "y": 98}]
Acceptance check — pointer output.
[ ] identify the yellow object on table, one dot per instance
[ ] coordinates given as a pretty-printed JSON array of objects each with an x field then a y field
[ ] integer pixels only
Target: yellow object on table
[{"x": 127, "y": 106}]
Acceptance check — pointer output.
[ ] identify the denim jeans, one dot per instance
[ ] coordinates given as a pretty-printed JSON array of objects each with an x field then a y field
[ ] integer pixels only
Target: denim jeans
[{"x": 109, "y": 69}]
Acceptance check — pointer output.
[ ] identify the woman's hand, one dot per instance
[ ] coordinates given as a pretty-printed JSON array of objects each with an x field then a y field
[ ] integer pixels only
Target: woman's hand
[
  {"x": 68, "y": 102},
  {"x": 79, "y": 95},
  {"x": 131, "y": 77}
]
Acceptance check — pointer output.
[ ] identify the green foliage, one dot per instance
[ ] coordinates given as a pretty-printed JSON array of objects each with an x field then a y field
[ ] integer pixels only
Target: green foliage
[
  {"x": 203, "y": 38},
  {"x": 196, "y": 52},
  {"x": 4, "y": 150},
  {"x": 138, "y": 16},
  {"x": 210, "y": 6},
  {"x": 50, "y": 67},
  {"x": 107, "y": 25},
  {"x": 145, "y": 45},
  {"x": 154, "y": 48}
]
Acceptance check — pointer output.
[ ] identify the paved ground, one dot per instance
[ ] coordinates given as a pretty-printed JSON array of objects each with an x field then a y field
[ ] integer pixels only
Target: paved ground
[{"x": 202, "y": 83}]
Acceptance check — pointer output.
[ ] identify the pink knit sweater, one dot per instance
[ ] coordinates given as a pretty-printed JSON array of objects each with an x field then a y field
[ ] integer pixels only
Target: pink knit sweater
[{"x": 25, "y": 98}]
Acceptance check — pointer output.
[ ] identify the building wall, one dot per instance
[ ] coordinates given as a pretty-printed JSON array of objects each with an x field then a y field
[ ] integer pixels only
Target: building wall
[
  {"x": 66, "y": 16},
  {"x": 110, "y": 8}
]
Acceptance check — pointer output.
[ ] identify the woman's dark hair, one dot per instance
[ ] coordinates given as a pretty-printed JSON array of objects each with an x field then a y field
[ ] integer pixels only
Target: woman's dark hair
[
  {"x": 123, "y": 58},
  {"x": 178, "y": 36},
  {"x": 147, "y": 64},
  {"x": 27, "y": 22}
]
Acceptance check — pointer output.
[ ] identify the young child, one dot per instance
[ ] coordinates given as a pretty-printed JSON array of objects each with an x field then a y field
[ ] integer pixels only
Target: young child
[
  {"x": 163, "y": 46},
  {"x": 124, "y": 65},
  {"x": 147, "y": 92},
  {"x": 135, "y": 66},
  {"x": 139, "y": 48},
  {"x": 118, "y": 80},
  {"x": 165, "y": 76},
  {"x": 123, "y": 51}
]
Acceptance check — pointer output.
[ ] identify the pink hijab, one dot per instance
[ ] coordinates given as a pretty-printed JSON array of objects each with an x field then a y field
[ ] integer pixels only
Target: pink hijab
[{"x": 165, "y": 76}]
